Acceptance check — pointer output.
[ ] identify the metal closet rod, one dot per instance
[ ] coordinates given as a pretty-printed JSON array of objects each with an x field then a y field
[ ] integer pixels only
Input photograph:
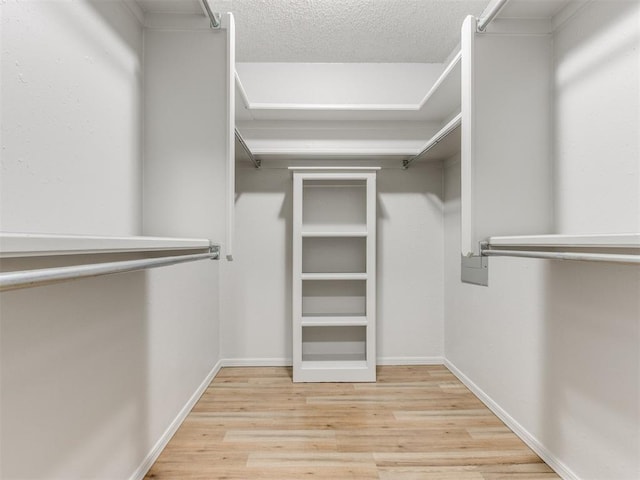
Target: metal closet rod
[
  {"x": 591, "y": 257},
  {"x": 256, "y": 161},
  {"x": 485, "y": 21},
  {"x": 45, "y": 276},
  {"x": 213, "y": 17},
  {"x": 448, "y": 128}
]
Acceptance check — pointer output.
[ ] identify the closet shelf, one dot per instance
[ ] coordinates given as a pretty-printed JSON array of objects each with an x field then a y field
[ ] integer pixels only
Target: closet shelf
[
  {"x": 334, "y": 276},
  {"x": 333, "y": 362},
  {"x": 439, "y": 102},
  {"x": 333, "y": 321},
  {"x": 14, "y": 245},
  {"x": 610, "y": 240},
  {"x": 334, "y": 231}
]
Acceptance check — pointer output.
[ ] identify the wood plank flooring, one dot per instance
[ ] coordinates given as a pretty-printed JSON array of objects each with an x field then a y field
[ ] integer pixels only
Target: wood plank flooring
[{"x": 416, "y": 422}]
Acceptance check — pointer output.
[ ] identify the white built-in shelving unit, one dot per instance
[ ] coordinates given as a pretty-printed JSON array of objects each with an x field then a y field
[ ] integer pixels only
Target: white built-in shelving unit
[
  {"x": 273, "y": 130},
  {"x": 334, "y": 275}
]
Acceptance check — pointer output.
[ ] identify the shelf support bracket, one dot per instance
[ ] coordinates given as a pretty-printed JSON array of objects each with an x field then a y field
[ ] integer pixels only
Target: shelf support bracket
[{"x": 475, "y": 270}]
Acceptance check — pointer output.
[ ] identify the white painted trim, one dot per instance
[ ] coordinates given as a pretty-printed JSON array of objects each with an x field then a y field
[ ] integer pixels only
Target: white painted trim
[
  {"x": 164, "y": 439},
  {"x": 467, "y": 141},
  {"x": 257, "y": 362},
  {"x": 533, "y": 443},
  {"x": 332, "y": 152},
  {"x": 600, "y": 240},
  {"x": 287, "y": 362},
  {"x": 230, "y": 66},
  {"x": 322, "y": 169},
  {"x": 411, "y": 360}
]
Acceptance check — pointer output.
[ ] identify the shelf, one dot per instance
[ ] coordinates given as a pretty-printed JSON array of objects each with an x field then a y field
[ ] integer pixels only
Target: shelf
[
  {"x": 334, "y": 362},
  {"x": 334, "y": 254},
  {"x": 334, "y": 321},
  {"x": 333, "y": 169},
  {"x": 334, "y": 231},
  {"x": 14, "y": 245},
  {"x": 611, "y": 240},
  {"x": 439, "y": 102},
  {"x": 334, "y": 276}
]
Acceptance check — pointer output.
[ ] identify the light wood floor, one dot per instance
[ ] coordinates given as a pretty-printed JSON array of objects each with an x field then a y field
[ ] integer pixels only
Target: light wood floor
[{"x": 416, "y": 422}]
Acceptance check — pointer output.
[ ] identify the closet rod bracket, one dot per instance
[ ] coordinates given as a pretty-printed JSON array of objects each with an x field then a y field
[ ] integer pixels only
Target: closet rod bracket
[
  {"x": 214, "y": 17},
  {"x": 215, "y": 249}
]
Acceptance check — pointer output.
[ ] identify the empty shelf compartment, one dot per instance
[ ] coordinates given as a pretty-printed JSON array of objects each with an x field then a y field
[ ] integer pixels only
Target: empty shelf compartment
[
  {"x": 333, "y": 298},
  {"x": 334, "y": 344},
  {"x": 331, "y": 204},
  {"x": 334, "y": 255}
]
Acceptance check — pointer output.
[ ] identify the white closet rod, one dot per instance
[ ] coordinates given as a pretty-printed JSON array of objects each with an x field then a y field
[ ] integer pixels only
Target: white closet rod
[
  {"x": 591, "y": 257},
  {"x": 256, "y": 161},
  {"x": 486, "y": 20},
  {"x": 43, "y": 276}
]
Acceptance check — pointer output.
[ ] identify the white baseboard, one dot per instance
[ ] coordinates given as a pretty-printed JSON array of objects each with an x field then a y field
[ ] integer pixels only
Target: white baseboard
[
  {"x": 533, "y": 443},
  {"x": 287, "y": 362},
  {"x": 256, "y": 362},
  {"x": 410, "y": 361},
  {"x": 155, "y": 452}
]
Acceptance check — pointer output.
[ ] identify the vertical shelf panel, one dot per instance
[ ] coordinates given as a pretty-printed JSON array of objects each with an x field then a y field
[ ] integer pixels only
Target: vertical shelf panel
[
  {"x": 334, "y": 291},
  {"x": 506, "y": 137}
]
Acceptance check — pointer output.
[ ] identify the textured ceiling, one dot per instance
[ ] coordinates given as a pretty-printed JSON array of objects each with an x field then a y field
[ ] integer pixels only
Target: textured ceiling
[{"x": 339, "y": 30}]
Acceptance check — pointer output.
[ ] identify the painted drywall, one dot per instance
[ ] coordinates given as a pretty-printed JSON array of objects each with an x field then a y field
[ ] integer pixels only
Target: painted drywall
[
  {"x": 93, "y": 372},
  {"x": 71, "y": 119},
  {"x": 555, "y": 344},
  {"x": 338, "y": 83},
  {"x": 597, "y": 181},
  {"x": 256, "y": 295}
]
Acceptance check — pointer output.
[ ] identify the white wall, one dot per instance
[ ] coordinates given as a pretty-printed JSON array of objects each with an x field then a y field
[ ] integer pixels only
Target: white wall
[
  {"x": 598, "y": 114},
  {"x": 256, "y": 296},
  {"x": 338, "y": 83},
  {"x": 71, "y": 118},
  {"x": 94, "y": 371},
  {"x": 555, "y": 344}
]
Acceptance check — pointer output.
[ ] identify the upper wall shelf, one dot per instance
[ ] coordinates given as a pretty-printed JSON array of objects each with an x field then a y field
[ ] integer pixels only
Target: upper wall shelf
[
  {"x": 442, "y": 99},
  {"x": 14, "y": 245},
  {"x": 610, "y": 240},
  {"x": 425, "y": 131},
  {"x": 439, "y": 102}
]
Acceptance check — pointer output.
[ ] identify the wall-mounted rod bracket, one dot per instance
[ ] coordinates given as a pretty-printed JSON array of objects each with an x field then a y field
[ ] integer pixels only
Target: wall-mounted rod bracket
[
  {"x": 493, "y": 13},
  {"x": 454, "y": 123},
  {"x": 214, "y": 18},
  {"x": 215, "y": 249},
  {"x": 474, "y": 270}
]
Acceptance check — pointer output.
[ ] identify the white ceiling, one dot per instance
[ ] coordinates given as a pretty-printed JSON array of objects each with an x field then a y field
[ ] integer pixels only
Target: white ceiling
[{"x": 338, "y": 30}]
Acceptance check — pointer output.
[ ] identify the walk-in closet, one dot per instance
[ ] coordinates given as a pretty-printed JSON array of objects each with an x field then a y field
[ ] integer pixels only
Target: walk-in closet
[{"x": 366, "y": 239}]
